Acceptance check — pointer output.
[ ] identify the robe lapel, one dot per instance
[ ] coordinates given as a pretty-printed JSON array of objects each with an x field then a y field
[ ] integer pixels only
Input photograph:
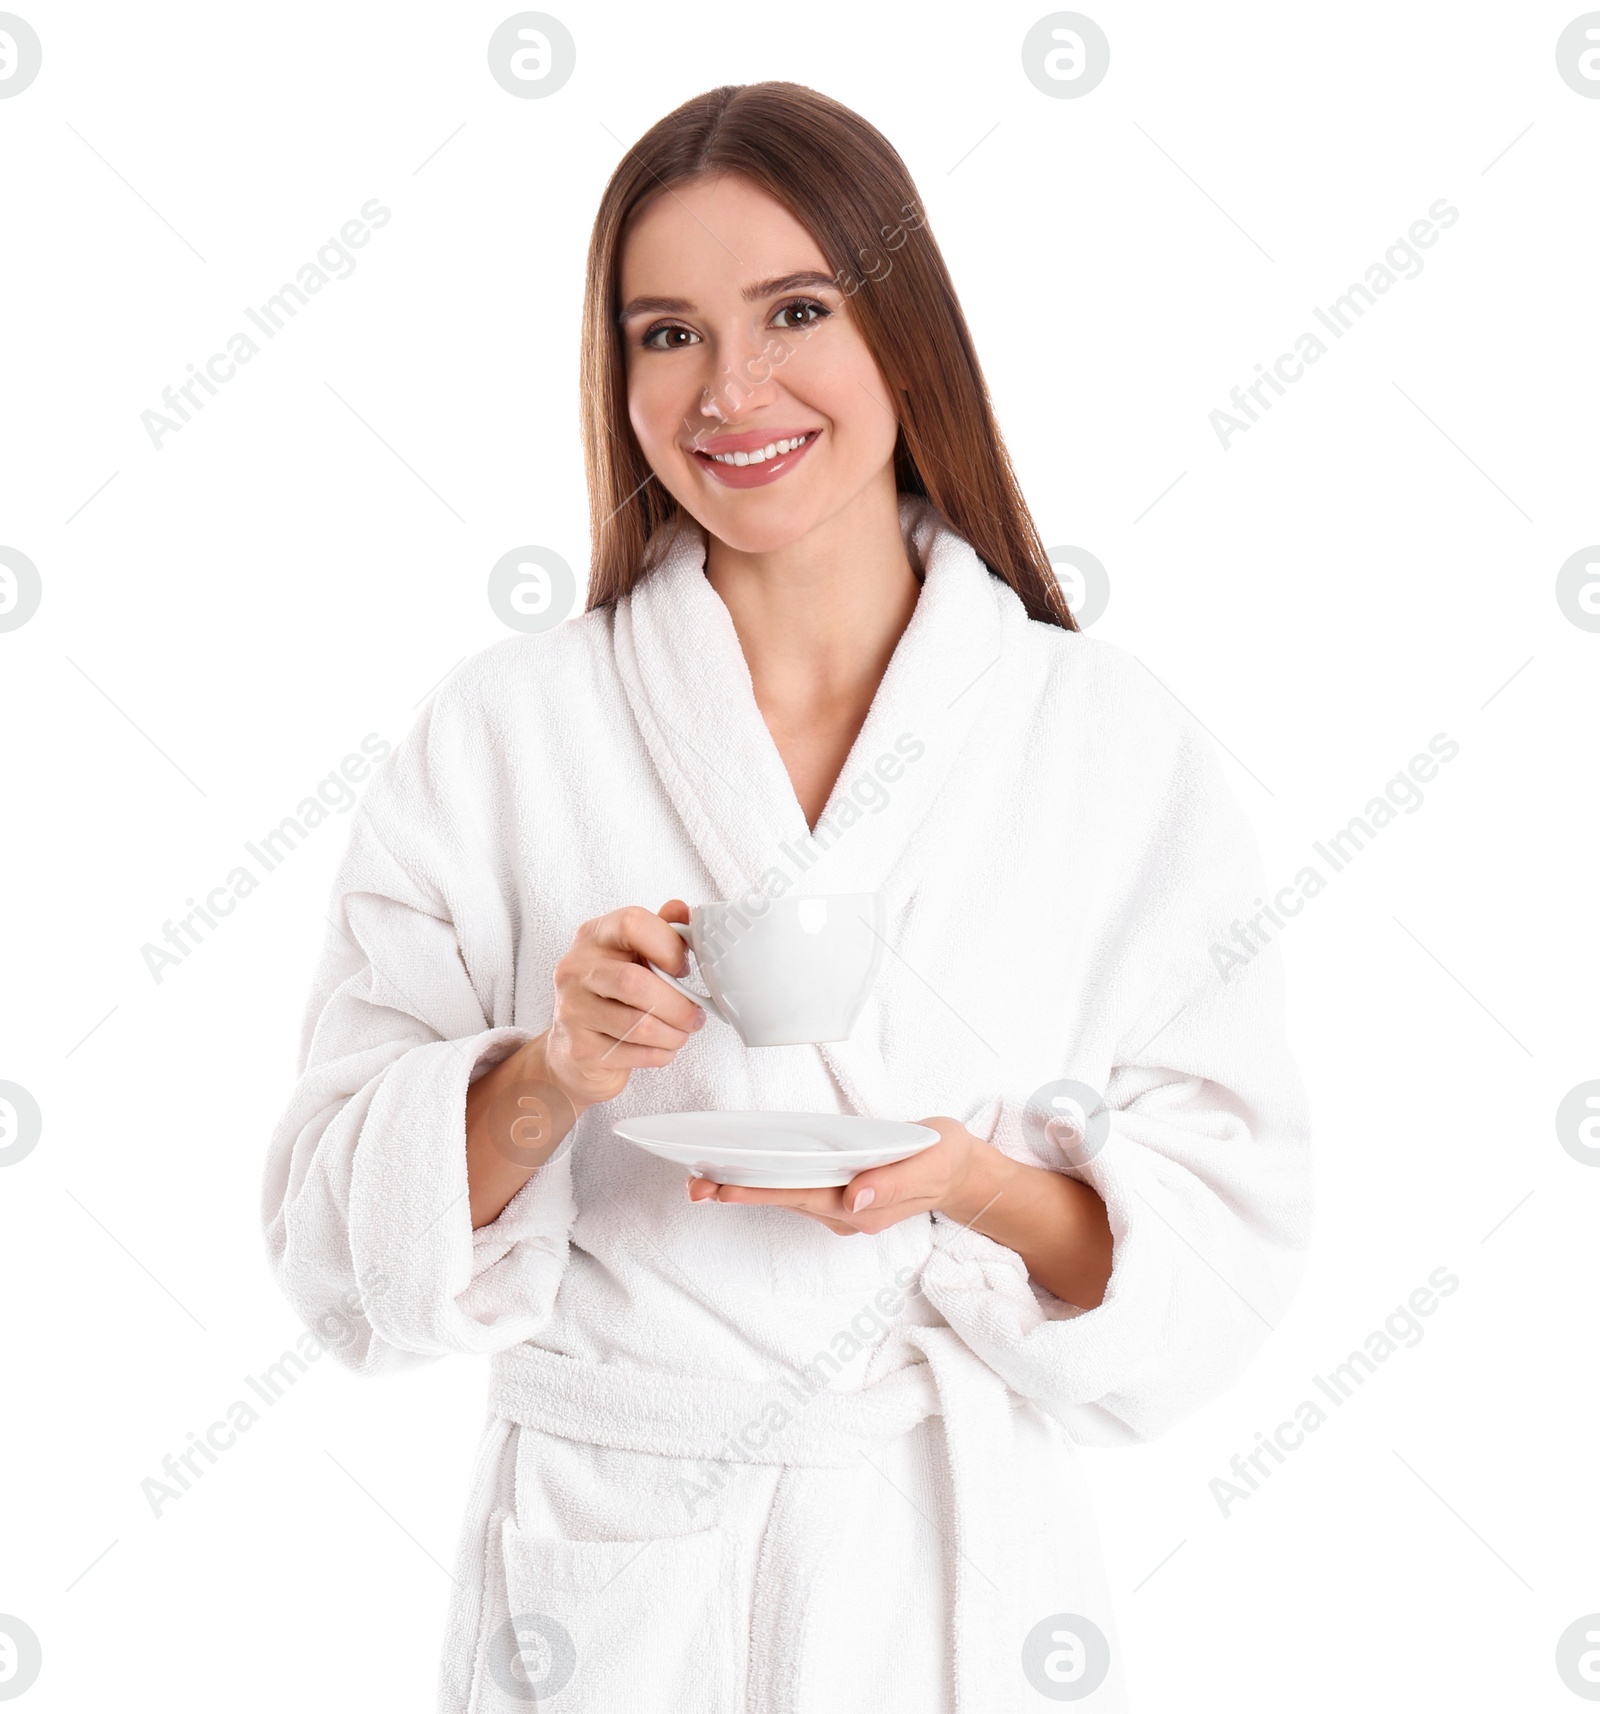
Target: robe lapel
[{"x": 686, "y": 680}]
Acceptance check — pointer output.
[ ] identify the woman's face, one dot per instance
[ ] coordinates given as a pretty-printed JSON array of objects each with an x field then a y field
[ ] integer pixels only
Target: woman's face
[{"x": 737, "y": 340}]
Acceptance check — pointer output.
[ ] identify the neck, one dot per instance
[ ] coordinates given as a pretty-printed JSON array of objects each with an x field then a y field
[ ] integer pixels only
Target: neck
[{"x": 818, "y": 620}]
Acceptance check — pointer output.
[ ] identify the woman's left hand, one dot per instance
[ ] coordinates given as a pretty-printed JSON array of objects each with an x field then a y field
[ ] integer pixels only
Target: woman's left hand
[{"x": 935, "y": 1178}]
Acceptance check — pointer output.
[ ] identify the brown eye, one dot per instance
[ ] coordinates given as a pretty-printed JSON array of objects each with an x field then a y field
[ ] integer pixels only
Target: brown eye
[
  {"x": 813, "y": 312},
  {"x": 652, "y": 340}
]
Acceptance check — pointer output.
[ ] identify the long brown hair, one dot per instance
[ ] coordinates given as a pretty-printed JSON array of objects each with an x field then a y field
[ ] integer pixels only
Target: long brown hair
[{"x": 843, "y": 181}]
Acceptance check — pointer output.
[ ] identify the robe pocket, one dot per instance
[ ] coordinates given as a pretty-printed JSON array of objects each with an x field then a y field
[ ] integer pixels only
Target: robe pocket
[{"x": 646, "y": 1626}]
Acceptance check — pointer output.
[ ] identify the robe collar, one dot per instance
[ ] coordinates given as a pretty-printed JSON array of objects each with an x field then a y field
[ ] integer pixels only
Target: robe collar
[{"x": 690, "y": 690}]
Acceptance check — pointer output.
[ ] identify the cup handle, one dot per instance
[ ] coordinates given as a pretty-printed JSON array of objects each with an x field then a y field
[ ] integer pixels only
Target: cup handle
[{"x": 682, "y": 931}]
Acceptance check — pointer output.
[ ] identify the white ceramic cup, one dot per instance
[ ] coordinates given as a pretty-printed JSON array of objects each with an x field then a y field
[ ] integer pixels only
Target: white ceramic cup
[{"x": 793, "y": 970}]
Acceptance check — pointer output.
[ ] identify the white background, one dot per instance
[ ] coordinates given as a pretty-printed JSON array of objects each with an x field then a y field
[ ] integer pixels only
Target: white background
[{"x": 224, "y": 619}]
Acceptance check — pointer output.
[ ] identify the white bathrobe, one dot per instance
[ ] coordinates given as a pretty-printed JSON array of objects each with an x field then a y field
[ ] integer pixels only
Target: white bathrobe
[{"x": 735, "y": 1463}]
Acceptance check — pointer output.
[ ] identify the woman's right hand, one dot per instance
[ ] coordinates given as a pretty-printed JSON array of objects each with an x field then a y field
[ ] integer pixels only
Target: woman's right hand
[{"x": 612, "y": 1014}]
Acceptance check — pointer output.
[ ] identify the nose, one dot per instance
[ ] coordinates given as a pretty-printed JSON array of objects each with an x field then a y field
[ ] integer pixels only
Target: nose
[{"x": 743, "y": 381}]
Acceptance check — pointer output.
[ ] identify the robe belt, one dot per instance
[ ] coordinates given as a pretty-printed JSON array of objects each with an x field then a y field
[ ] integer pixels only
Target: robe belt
[{"x": 717, "y": 1419}]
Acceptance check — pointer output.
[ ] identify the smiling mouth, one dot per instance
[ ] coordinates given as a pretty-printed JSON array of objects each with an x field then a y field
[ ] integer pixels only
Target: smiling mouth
[
  {"x": 756, "y": 466},
  {"x": 761, "y": 454}
]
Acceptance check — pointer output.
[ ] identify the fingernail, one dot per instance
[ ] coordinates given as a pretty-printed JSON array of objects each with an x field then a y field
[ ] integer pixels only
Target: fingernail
[{"x": 863, "y": 1197}]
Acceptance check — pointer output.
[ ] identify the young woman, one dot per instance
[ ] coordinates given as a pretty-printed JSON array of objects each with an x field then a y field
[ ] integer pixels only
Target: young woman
[{"x": 733, "y": 1463}]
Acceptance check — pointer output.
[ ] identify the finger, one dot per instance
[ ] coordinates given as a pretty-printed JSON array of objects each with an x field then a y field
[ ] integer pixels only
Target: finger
[
  {"x": 630, "y": 984},
  {"x": 874, "y": 1190},
  {"x": 627, "y": 1023},
  {"x": 922, "y": 1175},
  {"x": 708, "y": 1190},
  {"x": 821, "y": 1203},
  {"x": 596, "y": 1052},
  {"x": 821, "y": 1200},
  {"x": 637, "y": 933}
]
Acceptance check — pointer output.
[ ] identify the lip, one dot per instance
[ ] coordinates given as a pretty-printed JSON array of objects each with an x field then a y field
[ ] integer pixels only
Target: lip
[
  {"x": 752, "y": 475},
  {"x": 747, "y": 440}
]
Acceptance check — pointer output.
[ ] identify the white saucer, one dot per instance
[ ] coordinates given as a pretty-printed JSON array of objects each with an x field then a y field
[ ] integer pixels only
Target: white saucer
[{"x": 776, "y": 1151}]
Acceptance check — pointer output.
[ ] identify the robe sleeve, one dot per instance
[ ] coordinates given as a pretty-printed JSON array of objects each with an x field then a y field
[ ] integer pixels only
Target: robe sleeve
[
  {"x": 365, "y": 1203},
  {"x": 1201, "y": 1155}
]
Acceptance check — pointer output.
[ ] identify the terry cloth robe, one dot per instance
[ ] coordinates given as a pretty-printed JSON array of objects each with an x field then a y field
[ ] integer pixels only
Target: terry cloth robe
[{"x": 735, "y": 1463}]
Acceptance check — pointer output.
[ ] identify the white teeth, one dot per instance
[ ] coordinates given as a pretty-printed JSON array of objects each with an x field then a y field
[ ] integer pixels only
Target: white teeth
[{"x": 761, "y": 454}]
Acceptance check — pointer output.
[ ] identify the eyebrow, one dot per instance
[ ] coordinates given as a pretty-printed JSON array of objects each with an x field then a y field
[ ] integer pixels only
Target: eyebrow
[{"x": 751, "y": 294}]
